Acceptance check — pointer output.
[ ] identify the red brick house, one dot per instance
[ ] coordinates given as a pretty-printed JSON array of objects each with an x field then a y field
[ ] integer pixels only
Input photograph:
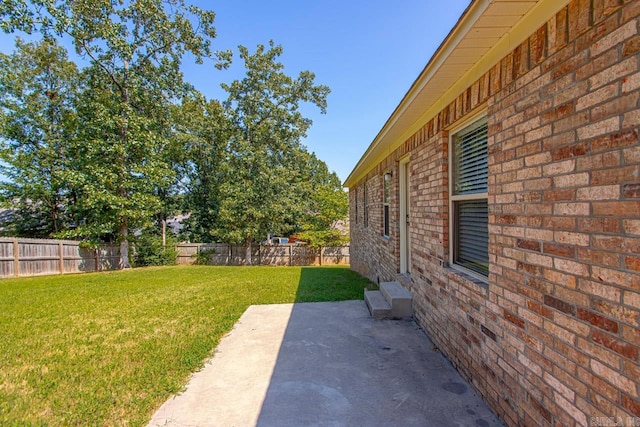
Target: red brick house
[{"x": 504, "y": 194}]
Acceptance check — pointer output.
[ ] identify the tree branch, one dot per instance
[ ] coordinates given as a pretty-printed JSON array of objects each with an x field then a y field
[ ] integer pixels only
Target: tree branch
[{"x": 101, "y": 65}]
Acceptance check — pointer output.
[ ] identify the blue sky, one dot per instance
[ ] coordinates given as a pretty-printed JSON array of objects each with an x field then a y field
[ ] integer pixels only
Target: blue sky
[{"x": 368, "y": 52}]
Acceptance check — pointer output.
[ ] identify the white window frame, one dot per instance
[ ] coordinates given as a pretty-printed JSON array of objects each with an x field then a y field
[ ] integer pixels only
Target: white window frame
[
  {"x": 386, "y": 204},
  {"x": 366, "y": 205},
  {"x": 356, "y": 205},
  {"x": 471, "y": 121}
]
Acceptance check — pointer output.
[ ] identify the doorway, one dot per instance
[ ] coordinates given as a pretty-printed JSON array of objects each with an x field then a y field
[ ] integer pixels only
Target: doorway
[{"x": 405, "y": 218}]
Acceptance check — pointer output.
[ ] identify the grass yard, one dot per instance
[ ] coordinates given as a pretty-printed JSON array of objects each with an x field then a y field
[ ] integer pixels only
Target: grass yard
[{"x": 110, "y": 348}]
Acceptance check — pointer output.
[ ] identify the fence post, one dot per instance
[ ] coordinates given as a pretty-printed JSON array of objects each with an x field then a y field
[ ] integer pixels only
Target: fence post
[
  {"x": 61, "y": 253},
  {"x": 95, "y": 257},
  {"x": 16, "y": 258}
]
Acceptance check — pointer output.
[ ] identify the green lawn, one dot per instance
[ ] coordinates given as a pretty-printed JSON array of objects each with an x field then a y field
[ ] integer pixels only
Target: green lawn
[{"x": 109, "y": 348}]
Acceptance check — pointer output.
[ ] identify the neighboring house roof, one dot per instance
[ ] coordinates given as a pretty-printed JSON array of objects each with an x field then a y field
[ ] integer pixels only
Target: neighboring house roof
[
  {"x": 7, "y": 216},
  {"x": 485, "y": 33},
  {"x": 176, "y": 223}
]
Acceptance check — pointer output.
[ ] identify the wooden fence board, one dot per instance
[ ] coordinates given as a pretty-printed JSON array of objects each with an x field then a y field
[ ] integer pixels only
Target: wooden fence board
[
  {"x": 35, "y": 257},
  {"x": 287, "y": 254}
]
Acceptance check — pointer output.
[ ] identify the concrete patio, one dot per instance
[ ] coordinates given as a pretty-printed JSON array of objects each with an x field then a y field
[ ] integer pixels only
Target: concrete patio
[{"x": 325, "y": 364}]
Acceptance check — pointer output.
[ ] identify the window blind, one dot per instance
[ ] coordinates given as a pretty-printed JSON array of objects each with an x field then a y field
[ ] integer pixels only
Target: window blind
[
  {"x": 385, "y": 209},
  {"x": 473, "y": 235},
  {"x": 470, "y": 160},
  {"x": 469, "y": 198}
]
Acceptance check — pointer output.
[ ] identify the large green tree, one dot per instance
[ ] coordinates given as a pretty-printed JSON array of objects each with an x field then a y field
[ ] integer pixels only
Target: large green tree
[
  {"x": 260, "y": 186},
  {"x": 37, "y": 120},
  {"x": 326, "y": 203},
  {"x": 117, "y": 176},
  {"x": 135, "y": 49},
  {"x": 201, "y": 130}
]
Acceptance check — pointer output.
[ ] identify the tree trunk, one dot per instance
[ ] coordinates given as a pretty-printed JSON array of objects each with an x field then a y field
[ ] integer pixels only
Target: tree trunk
[
  {"x": 122, "y": 192},
  {"x": 124, "y": 246},
  {"x": 247, "y": 250},
  {"x": 54, "y": 214},
  {"x": 164, "y": 234}
]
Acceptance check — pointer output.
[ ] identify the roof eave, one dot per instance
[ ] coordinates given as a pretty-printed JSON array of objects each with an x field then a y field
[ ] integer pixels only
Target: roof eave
[{"x": 417, "y": 99}]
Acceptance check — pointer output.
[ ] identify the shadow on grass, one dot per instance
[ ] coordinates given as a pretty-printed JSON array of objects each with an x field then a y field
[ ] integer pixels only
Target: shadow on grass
[{"x": 319, "y": 284}]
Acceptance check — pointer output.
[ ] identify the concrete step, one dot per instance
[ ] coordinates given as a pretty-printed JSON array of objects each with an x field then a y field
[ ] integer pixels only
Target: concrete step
[
  {"x": 398, "y": 298},
  {"x": 378, "y": 305}
]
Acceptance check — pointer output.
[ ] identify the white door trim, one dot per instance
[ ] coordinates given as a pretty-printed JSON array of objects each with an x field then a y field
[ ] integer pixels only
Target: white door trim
[{"x": 405, "y": 219}]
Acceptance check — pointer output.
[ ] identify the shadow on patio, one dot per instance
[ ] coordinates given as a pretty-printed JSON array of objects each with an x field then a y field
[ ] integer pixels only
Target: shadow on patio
[
  {"x": 324, "y": 364},
  {"x": 338, "y": 367}
]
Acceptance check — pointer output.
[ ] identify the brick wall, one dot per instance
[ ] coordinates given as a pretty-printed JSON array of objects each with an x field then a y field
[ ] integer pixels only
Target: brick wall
[
  {"x": 554, "y": 337},
  {"x": 374, "y": 254}
]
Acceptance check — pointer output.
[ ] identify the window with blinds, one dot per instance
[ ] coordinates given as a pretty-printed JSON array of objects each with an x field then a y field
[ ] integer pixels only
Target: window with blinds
[
  {"x": 356, "y": 205},
  {"x": 385, "y": 204},
  {"x": 470, "y": 233},
  {"x": 366, "y": 206}
]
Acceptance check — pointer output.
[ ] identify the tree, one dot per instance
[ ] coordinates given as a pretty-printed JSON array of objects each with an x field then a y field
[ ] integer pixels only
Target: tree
[
  {"x": 135, "y": 49},
  {"x": 118, "y": 178},
  {"x": 37, "y": 119},
  {"x": 201, "y": 130},
  {"x": 326, "y": 204},
  {"x": 265, "y": 129}
]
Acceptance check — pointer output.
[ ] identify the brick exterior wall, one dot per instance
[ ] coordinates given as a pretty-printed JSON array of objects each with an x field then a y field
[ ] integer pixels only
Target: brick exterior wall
[{"x": 554, "y": 338}]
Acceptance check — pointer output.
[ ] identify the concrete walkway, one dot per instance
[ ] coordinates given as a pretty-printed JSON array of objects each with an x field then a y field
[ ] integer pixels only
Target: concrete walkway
[{"x": 325, "y": 364}]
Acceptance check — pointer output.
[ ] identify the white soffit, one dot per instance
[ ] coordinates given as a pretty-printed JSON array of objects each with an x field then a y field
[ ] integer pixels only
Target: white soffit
[{"x": 485, "y": 29}]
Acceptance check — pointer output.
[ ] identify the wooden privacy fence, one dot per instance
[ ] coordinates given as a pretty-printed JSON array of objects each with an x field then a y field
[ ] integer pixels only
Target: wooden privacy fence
[
  {"x": 289, "y": 254},
  {"x": 36, "y": 257}
]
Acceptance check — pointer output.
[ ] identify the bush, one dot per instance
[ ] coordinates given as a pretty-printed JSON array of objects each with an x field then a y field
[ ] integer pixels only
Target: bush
[
  {"x": 149, "y": 250},
  {"x": 204, "y": 257},
  {"x": 324, "y": 238}
]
